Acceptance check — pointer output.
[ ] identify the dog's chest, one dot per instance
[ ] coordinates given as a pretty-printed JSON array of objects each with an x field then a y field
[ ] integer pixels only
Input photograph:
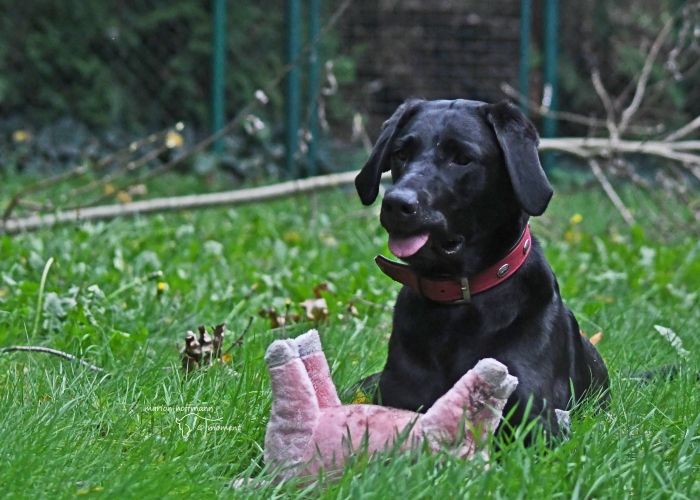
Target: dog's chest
[{"x": 447, "y": 339}]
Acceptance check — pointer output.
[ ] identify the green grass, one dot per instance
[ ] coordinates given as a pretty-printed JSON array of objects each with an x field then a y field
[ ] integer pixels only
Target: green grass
[{"x": 68, "y": 432}]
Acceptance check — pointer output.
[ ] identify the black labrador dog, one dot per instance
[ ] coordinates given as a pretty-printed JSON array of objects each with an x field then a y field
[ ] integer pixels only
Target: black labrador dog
[{"x": 466, "y": 179}]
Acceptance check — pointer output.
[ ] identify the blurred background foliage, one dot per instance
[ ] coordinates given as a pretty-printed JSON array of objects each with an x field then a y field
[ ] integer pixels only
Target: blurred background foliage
[
  {"x": 137, "y": 64},
  {"x": 615, "y": 37},
  {"x": 79, "y": 80}
]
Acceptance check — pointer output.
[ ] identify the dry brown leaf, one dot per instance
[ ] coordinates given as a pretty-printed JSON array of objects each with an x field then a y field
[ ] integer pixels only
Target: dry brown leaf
[
  {"x": 316, "y": 309},
  {"x": 596, "y": 338},
  {"x": 278, "y": 319},
  {"x": 200, "y": 352},
  {"x": 323, "y": 287}
]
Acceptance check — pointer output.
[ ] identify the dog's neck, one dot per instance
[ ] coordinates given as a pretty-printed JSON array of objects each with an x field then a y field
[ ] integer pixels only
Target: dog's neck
[{"x": 484, "y": 252}]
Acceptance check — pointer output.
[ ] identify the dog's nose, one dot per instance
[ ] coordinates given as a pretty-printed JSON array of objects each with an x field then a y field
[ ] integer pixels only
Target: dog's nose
[{"x": 400, "y": 203}]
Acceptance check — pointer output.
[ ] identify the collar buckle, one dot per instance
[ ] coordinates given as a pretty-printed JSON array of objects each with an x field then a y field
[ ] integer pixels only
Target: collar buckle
[{"x": 466, "y": 295}]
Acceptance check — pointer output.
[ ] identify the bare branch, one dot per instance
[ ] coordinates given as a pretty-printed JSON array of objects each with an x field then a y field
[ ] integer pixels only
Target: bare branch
[
  {"x": 629, "y": 112},
  {"x": 607, "y": 187},
  {"x": 607, "y": 103},
  {"x": 683, "y": 131},
  {"x": 47, "y": 350},
  {"x": 544, "y": 111},
  {"x": 235, "y": 197},
  {"x": 78, "y": 171},
  {"x": 239, "y": 340},
  {"x": 585, "y": 148}
]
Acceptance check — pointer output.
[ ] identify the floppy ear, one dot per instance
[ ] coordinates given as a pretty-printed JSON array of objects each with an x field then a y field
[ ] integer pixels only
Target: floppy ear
[
  {"x": 518, "y": 139},
  {"x": 367, "y": 181}
]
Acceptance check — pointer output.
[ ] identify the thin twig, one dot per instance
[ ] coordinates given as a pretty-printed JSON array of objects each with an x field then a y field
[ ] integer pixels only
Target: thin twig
[
  {"x": 607, "y": 103},
  {"x": 239, "y": 340},
  {"x": 77, "y": 172},
  {"x": 683, "y": 131},
  {"x": 567, "y": 116},
  {"x": 128, "y": 167},
  {"x": 607, "y": 187},
  {"x": 65, "y": 355},
  {"x": 629, "y": 112},
  {"x": 50, "y": 181}
]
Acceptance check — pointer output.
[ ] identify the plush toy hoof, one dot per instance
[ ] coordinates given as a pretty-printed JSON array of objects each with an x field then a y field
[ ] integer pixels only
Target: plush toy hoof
[
  {"x": 564, "y": 420},
  {"x": 308, "y": 343},
  {"x": 496, "y": 375},
  {"x": 281, "y": 352}
]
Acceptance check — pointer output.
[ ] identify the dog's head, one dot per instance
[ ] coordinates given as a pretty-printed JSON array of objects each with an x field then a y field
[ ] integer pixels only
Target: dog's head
[{"x": 461, "y": 170}]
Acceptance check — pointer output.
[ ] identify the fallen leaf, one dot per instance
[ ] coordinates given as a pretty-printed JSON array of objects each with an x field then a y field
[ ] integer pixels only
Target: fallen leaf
[
  {"x": 202, "y": 351},
  {"x": 270, "y": 313},
  {"x": 596, "y": 338},
  {"x": 316, "y": 309},
  {"x": 323, "y": 287},
  {"x": 278, "y": 319}
]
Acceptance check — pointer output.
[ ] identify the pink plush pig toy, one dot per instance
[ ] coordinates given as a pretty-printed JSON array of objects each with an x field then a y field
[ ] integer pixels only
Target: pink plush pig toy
[{"x": 309, "y": 429}]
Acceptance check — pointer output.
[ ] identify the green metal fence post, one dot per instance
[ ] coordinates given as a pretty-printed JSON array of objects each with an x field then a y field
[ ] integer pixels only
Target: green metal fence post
[
  {"x": 524, "y": 69},
  {"x": 551, "y": 28},
  {"x": 292, "y": 97},
  {"x": 314, "y": 28},
  {"x": 218, "y": 84}
]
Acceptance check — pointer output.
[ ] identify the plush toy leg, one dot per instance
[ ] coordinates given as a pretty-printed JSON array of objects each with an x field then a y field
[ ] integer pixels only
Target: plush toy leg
[
  {"x": 488, "y": 405},
  {"x": 478, "y": 397},
  {"x": 314, "y": 360},
  {"x": 295, "y": 409}
]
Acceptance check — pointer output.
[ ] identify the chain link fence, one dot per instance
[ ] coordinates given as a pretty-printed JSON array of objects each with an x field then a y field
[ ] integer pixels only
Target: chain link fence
[
  {"x": 146, "y": 64},
  {"x": 139, "y": 64},
  {"x": 436, "y": 49},
  {"x": 79, "y": 76}
]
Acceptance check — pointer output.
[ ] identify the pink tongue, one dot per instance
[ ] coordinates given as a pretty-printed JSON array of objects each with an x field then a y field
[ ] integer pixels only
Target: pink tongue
[{"x": 405, "y": 247}]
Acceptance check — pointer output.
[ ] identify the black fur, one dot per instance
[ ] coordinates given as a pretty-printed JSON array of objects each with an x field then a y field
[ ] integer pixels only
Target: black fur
[{"x": 468, "y": 174}]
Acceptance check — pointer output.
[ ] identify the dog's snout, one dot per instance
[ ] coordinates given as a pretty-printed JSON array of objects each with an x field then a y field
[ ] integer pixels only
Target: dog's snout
[{"x": 400, "y": 203}]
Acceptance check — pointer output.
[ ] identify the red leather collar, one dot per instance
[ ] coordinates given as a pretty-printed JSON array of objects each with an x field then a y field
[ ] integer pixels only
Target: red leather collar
[{"x": 460, "y": 291}]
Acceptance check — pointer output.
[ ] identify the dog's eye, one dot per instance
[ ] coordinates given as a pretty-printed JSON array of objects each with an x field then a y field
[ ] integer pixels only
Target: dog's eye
[
  {"x": 462, "y": 159},
  {"x": 401, "y": 155}
]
